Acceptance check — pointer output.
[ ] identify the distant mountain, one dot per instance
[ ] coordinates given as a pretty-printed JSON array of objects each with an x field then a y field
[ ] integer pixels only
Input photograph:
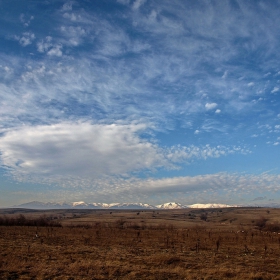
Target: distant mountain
[
  {"x": 171, "y": 205},
  {"x": 132, "y": 206},
  {"x": 83, "y": 205},
  {"x": 43, "y": 205},
  {"x": 211, "y": 205}
]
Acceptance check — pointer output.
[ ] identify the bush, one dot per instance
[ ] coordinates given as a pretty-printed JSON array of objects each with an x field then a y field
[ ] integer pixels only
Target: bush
[
  {"x": 203, "y": 216},
  {"x": 261, "y": 222},
  {"x": 275, "y": 227}
]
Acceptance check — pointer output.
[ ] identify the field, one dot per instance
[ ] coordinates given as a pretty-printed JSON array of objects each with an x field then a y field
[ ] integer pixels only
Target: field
[{"x": 232, "y": 243}]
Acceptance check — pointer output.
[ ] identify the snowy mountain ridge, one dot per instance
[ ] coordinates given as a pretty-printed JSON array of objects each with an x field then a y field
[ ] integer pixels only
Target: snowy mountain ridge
[
  {"x": 84, "y": 205},
  {"x": 211, "y": 205},
  {"x": 171, "y": 205}
]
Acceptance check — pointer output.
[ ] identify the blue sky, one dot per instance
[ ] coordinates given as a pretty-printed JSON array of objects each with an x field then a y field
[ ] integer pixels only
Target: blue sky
[{"x": 140, "y": 101}]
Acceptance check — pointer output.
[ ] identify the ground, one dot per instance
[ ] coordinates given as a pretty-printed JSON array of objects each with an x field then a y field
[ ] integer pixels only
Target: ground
[{"x": 232, "y": 243}]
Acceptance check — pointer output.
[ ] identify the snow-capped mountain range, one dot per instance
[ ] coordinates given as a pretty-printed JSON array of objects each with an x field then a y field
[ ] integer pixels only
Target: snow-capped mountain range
[{"x": 84, "y": 205}]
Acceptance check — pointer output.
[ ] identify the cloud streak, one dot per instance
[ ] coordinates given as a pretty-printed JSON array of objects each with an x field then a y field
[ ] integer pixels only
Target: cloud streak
[{"x": 230, "y": 187}]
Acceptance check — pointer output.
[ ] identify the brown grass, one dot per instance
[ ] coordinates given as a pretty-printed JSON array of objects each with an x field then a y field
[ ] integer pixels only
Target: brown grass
[{"x": 173, "y": 244}]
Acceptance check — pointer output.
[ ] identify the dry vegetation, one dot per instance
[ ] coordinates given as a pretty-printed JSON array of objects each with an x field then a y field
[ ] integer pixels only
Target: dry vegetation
[{"x": 113, "y": 244}]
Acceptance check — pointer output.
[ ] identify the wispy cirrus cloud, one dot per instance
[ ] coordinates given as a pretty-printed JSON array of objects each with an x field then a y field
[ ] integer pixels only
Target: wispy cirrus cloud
[{"x": 159, "y": 72}]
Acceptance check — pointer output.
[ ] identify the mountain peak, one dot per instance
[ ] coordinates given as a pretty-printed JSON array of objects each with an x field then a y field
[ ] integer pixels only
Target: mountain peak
[
  {"x": 171, "y": 205},
  {"x": 79, "y": 203},
  {"x": 210, "y": 205}
]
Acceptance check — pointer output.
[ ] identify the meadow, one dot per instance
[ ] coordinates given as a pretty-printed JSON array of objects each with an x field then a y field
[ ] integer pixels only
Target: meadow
[{"x": 231, "y": 243}]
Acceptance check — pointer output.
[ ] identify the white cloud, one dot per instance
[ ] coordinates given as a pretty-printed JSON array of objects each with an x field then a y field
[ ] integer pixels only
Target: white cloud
[
  {"x": 72, "y": 17},
  {"x": 275, "y": 89},
  {"x": 67, "y": 6},
  {"x": 211, "y": 125},
  {"x": 73, "y": 34},
  {"x": 26, "y": 38},
  {"x": 185, "y": 154},
  {"x": 137, "y": 4},
  {"x": 195, "y": 183},
  {"x": 90, "y": 151},
  {"x": 218, "y": 111},
  {"x": 49, "y": 47},
  {"x": 267, "y": 74},
  {"x": 210, "y": 106},
  {"x": 55, "y": 51},
  {"x": 78, "y": 149},
  {"x": 225, "y": 75},
  {"x": 26, "y": 20},
  {"x": 44, "y": 45}
]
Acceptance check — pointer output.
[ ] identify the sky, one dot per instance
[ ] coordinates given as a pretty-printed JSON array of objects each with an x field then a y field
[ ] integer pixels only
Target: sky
[{"x": 140, "y": 101}]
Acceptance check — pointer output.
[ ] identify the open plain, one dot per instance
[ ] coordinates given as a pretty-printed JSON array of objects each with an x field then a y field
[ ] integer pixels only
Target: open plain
[{"x": 229, "y": 243}]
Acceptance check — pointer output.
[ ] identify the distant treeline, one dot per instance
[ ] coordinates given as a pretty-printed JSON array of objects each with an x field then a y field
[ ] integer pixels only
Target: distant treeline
[{"x": 21, "y": 220}]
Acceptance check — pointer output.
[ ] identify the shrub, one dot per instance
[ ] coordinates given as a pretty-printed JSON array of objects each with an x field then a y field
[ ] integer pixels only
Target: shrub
[
  {"x": 261, "y": 222},
  {"x": 275, "y": 227},
  {"x": 203, "y": 216}
]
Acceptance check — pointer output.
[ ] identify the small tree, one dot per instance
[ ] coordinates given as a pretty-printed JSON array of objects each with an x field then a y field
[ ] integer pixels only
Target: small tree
[{"x": 203, "y": 216}]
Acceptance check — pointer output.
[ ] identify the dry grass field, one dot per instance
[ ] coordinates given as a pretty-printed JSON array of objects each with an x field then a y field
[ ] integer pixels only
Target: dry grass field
[{"x": 233, "y": 243}]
